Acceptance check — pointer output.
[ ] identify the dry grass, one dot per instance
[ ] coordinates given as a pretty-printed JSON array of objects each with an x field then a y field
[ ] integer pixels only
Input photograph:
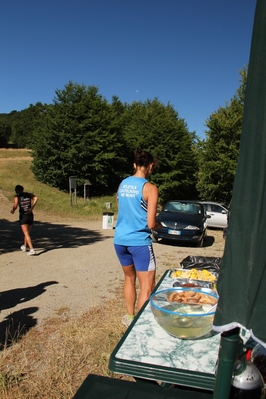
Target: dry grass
[{"x": 52, "y": 361}]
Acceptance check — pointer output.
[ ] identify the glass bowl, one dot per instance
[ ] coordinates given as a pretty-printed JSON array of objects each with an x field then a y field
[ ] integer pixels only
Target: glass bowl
[{"x": 185, "y": 313}]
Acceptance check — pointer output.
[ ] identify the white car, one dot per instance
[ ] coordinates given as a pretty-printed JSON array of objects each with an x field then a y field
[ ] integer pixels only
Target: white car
[{"x": 218, "y": 214}]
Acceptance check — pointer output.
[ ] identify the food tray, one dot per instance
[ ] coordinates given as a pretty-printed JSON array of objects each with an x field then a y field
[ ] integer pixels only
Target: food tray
[
  {"x": 190, "y": 283},
  {"x": 203, "y": 275}
]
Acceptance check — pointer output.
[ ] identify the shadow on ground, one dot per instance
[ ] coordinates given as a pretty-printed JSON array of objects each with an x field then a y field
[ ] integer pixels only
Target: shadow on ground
[
  {"x": 18, "y": 323},
  {"x": 45, "y": 236}
]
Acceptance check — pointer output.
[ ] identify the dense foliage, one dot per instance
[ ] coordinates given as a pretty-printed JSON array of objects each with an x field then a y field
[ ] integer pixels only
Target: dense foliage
[
  {"x": 81, "y": 134},
  {"x": 157, "y": 128},
  {"x": 219, "y": 153},
  {"x": 7, "y": 121}
]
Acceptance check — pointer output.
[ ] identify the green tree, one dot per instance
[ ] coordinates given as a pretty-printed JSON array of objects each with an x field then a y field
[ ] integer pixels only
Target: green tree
[
  {"x": 25, "y": 124},
  {"x": 5, "y": 132},
  {"x": 157, "y": 128},
  {"x": 219, "y": 153},
  {"x": 80, "y": 136},
  {"x": 7, "y": 121}
]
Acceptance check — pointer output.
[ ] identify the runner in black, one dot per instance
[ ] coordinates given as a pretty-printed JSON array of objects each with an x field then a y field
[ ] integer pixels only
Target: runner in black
[{"x": 26, "y": 202}]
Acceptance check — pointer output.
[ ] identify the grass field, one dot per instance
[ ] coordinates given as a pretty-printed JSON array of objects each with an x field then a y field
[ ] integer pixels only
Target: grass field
[{"x": 15, "y": 168}]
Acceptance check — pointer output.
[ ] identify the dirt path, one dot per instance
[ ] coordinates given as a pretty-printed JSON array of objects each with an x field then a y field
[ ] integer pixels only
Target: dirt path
[{"x": 75, "y": 266}]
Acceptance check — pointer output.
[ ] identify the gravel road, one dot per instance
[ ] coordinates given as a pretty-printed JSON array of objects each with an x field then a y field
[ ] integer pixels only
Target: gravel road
[{"x": 75, "y": 266}]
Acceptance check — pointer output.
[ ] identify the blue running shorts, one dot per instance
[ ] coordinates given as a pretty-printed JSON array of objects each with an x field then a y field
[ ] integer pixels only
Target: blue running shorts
[{"x": 142, "y": 257}]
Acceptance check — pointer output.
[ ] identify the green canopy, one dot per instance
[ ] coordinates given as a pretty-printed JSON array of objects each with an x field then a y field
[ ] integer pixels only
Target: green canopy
[{"x": 242, "y": 280}]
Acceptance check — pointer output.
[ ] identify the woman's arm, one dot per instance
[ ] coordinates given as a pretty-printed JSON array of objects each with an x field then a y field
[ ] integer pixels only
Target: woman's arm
[
  {"x": 15, "y": 205},
  {"x": 35, "y": 200},
  {"x": 151, "y": 194}
]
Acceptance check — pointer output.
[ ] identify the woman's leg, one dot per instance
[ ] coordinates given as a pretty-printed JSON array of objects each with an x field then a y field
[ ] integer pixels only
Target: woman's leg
[
  {"x": 147, "y": 284},
  {"x": 26, "y": 231},
  {"x": 130, "y": 288}
]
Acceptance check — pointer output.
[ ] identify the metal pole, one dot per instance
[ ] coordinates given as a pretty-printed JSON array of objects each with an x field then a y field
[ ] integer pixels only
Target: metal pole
[
  {"x": 70, "y": 194},
  {"x": 226, "y": 361}
]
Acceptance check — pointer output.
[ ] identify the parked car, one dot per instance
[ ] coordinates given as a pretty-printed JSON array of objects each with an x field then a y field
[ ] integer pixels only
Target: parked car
[
  {"x": 218, "y": 213},
  {"x": 228, "y": 215},
  {"x": 182, "y": 221}
]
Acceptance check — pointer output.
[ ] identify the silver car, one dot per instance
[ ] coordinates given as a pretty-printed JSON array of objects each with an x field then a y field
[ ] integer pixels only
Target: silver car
[{"x": 218, "y": 214}]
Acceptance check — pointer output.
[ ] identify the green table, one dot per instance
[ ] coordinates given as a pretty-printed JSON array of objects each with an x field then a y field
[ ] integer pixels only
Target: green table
[{"x": 146, "y": 351}]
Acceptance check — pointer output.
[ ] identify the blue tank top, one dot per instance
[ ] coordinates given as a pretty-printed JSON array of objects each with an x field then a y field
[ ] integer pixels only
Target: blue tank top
[{"x": 131, "y": 227}]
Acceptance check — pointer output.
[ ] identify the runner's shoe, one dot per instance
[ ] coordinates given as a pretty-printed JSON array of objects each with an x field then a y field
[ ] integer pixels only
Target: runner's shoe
[
  {"x": 31, "y": 252},
  {"x": 23, "y": 248},
  {"x": 127, "y": 320}
]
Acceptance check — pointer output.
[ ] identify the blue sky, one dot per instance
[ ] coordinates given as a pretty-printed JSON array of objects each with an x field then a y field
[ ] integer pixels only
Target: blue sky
[{"x": 185, "y": 52}]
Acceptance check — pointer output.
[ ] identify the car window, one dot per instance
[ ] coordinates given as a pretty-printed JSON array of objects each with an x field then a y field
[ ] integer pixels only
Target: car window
[
  {"x": 183, "y": 207},
  {"x": 196, "y": 209},
  {"x": 169, "y": 207},
  {"x": 217, "y": 208}
]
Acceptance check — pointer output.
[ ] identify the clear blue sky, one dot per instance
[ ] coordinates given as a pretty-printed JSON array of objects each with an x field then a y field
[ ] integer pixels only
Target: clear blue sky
[{"x": 185, "y": 52}]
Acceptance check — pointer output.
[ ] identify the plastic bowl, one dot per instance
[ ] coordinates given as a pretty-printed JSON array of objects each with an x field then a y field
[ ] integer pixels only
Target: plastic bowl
[{"x": 186, "y": 320}]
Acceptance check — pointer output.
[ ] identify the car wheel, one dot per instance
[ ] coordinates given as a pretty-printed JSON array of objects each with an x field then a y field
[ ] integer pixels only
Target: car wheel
[{"x": 201, "y": 242}]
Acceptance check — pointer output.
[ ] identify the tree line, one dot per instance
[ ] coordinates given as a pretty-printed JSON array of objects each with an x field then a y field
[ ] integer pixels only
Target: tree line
[{"x": 82, "y": 134}]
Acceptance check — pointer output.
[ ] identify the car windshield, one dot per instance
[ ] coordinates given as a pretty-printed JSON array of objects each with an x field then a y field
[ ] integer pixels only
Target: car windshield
[{"x": 182, "y": 207}]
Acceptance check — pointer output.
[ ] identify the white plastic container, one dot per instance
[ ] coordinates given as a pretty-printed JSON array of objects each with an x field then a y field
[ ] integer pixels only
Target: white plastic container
[{"x": 108, "y": 220}]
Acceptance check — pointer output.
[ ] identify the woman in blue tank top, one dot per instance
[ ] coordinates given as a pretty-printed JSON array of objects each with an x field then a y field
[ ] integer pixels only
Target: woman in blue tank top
[{"x": 137, "y": 206}]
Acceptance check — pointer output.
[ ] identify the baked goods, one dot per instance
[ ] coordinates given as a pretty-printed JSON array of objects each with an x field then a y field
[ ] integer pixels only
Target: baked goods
[{"x": 192, "y": 297}]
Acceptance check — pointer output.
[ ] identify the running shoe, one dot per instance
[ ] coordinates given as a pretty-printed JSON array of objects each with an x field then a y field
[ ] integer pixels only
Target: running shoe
[
  {"x": 127, "y": 320},
  {"x": 31, "y": 252},
  {"x": 23, "y": 248}
]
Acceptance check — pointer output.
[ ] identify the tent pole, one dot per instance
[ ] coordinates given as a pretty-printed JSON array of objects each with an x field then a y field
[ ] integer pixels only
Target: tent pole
[{"x": 226, "y": 359}]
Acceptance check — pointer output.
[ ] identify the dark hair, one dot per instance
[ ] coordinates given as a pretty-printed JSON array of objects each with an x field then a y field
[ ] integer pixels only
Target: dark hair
[
  {"x": 19, "y": 188},
  {"x": 143, "y": 158}
]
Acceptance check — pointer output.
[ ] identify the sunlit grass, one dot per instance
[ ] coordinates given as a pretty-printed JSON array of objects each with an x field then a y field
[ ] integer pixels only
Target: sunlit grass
[
  {"x": 9, "y": 153},
  {"x": 15, "y": 168}
]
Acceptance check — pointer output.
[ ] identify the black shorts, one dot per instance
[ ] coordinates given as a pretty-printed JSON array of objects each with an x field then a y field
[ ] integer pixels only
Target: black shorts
[{"x": 26, "y": 219}]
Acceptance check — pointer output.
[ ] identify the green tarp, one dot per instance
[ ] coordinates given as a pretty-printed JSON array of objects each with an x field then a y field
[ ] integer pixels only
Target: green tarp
[{"x": 242, "y": 280}]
